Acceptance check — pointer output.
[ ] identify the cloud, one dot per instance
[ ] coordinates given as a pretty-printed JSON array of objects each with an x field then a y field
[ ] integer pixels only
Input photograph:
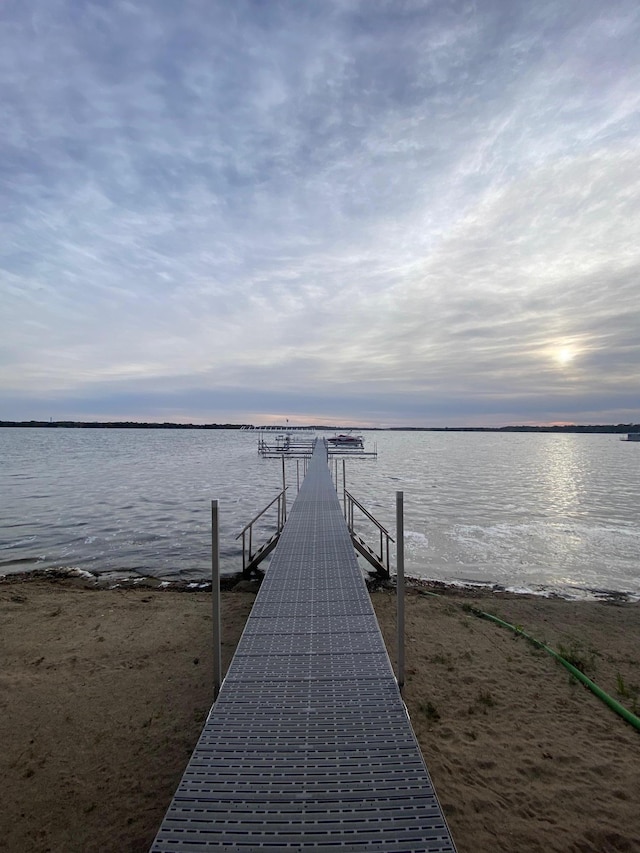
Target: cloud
[{"x": 386, "y": 211}]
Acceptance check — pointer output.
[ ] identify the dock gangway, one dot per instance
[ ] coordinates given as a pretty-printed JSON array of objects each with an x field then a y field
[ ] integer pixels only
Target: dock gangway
[{"x": 309, "y": 745}]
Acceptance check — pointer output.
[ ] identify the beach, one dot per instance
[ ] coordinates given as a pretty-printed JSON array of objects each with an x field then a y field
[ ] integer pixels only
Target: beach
[{"x": 105, "y": 691}]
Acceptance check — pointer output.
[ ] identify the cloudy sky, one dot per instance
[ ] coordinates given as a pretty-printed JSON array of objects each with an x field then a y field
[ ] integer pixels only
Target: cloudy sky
[{"x": 376, "y": 212}]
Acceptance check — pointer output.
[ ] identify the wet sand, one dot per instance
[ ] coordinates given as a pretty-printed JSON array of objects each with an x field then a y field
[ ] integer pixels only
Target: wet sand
[{"x": 103, "y": 694}]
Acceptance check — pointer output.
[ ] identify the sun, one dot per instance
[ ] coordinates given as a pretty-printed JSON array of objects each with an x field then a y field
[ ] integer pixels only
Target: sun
[{"x": 564, "y": 355}]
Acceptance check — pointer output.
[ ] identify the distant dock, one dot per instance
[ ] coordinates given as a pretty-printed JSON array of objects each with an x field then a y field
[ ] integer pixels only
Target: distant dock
[{"x": 299, "y": 444}]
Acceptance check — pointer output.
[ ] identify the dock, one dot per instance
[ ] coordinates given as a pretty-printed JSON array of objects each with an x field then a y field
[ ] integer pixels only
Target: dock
[
  {"x": 300, "y": 446},
  {"x": 308, "y": 745}
]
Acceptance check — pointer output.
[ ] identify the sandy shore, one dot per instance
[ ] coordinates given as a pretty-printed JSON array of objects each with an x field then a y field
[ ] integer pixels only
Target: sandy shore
[{"x": 104, "y": 693}]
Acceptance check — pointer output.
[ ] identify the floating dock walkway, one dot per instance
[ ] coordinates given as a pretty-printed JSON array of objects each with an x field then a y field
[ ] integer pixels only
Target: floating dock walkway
[{"x": 308, "y": 746}]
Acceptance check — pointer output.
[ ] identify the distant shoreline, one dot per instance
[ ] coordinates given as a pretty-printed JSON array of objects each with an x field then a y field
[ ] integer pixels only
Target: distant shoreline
[{"x": 616, "y": 429}]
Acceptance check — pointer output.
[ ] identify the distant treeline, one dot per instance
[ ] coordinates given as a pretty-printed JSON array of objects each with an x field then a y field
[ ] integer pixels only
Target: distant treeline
[
  {"x": 566, "y": 428},
  {"x": 615, "y": 428},
  {"x": 117, "y": 425}
]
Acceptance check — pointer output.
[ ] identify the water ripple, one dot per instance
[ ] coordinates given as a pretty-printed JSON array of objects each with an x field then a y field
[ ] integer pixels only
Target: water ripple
[{"x": 527, "y": 511}]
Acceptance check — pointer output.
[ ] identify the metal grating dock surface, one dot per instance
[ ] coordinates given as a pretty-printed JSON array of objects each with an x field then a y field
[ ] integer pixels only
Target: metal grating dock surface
[{"x": 308, "y": 746}]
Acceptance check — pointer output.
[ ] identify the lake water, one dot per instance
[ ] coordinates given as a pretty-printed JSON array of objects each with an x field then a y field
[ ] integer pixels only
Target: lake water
[{"x": 538, "y": 512}]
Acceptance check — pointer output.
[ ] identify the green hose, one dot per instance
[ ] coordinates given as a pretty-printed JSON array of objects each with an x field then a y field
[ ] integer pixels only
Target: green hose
[
  {"x": 623, "y": 712},
  {"x": 608, "y": 700}
]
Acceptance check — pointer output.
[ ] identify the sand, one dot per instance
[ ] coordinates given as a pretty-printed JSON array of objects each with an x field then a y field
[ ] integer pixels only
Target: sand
[{"x": 103, "y": 694}]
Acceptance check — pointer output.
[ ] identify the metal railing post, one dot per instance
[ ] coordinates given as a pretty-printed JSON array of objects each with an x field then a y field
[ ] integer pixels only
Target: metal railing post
[
  {"x": 400, "y": 585},
  {"x": 284, "y": 490},
  {"x": 344, "y": 486},
  {"x": 215, "y": 598}
]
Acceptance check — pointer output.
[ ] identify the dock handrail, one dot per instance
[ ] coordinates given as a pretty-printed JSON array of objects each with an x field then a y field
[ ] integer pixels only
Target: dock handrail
[
  {"x": 382, "y": 559},
  {"x": 270, "y": 543}
]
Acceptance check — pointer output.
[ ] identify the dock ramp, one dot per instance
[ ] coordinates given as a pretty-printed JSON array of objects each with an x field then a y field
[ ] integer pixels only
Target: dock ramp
[{"x": 308, "y": 746}]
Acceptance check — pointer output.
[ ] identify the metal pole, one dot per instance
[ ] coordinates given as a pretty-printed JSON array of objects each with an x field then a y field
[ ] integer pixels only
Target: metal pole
[
  {"x": 284, "y": 492},
  {"x": 215, "y": 597},
  {"x": 400, "y": 585},
  {"x": 298, "y": 472},
  {"x": 344, "y": 486}
]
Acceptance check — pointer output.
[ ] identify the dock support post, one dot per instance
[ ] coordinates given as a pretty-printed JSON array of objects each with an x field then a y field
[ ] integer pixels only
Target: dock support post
[
  {"x": 344, "y": 489},
  {"x": 284, "y": 493},
  {"x": 215, "y": 597},
  {"x": 400, "y": 585}
]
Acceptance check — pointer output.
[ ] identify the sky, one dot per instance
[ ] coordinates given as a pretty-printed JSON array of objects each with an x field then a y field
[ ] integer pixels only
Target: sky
[{"x": 367, "y": 212}]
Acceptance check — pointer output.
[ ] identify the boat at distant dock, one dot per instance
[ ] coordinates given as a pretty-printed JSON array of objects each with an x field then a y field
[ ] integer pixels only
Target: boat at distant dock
[{"x": 345, "y": 440}]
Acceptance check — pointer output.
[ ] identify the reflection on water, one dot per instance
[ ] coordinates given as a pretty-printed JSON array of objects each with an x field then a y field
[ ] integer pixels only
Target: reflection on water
[
  {"x": 522, "y": 510},
  {"x": 559, "y": 467}
]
